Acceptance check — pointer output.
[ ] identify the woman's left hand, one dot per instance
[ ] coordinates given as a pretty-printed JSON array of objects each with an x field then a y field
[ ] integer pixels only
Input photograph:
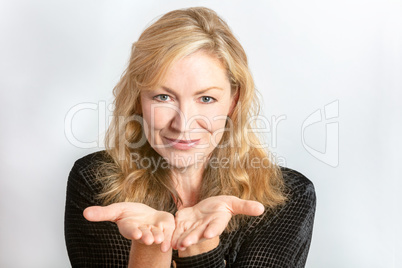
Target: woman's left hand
[{"x": 209, "y": 218}]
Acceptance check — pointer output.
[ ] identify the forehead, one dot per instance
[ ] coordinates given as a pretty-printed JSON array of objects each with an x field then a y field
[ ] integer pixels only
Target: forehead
[{"x": 197, "y": 70}]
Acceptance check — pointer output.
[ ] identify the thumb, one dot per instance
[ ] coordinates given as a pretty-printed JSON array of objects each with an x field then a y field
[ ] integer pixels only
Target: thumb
[
  {"x": 97, "y": 213},
  {"x": 247, "y": 207}
]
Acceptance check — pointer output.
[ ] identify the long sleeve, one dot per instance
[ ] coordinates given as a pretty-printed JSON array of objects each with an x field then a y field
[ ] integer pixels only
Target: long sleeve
[
  {"x": 90, "y": 244},
  {"x": 279, "y": 238},
  {"x": 213, "y": 258},
  {"x": 282, "y": 239}
]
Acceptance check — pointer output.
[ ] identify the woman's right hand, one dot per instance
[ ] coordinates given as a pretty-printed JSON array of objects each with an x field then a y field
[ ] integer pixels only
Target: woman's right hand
[{"x": 137, "y": 222}]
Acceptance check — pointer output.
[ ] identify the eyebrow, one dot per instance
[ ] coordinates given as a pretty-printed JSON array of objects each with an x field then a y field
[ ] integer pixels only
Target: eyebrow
[{"x": 171, "y": 91}]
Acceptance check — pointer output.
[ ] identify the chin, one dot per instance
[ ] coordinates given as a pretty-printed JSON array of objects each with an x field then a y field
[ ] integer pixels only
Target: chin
[{"x": 184, "y": 159}]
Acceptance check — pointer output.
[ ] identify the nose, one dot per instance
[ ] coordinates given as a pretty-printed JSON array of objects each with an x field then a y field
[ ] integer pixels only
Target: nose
[{"x": 182, "y": 116}]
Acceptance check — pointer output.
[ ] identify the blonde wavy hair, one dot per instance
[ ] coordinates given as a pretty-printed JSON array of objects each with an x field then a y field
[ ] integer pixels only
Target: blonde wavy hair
[{"x": 173, "y": 36}]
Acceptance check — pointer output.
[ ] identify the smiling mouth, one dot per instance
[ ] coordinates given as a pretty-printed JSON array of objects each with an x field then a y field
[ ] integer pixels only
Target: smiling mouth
[{"x": 182, "y": 141}]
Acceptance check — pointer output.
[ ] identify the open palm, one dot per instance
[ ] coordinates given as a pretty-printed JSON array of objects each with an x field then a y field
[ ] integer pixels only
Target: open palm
[
  {"x": 137, "y": 221},
  {"x": 209, "y": 218}
]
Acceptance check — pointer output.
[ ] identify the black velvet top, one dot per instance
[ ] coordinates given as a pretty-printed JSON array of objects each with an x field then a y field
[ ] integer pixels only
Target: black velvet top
[{"x": 279, "y": 238}]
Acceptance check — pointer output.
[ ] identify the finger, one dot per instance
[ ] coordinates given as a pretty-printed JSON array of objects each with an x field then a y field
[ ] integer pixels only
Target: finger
[
  {"x": 215, "y": 228},
  {"x": 191, "y": 237},
  {"x": 108, "y": 213},
  {"x": 136, "y": 234},
  {"x": 166, "y": 245},
  {"x": 157, "y": 234},
  {"x": 246, "y": 207},
  {"x": 167, "y": 241},
  {"x": 147, "y": 236},
  {"x": 176, "y": 235},
  {"x": 129, "y": 230}
]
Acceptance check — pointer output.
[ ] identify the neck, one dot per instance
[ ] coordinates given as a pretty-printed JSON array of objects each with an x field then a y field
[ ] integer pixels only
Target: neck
[{"x": 188, "y": 184}]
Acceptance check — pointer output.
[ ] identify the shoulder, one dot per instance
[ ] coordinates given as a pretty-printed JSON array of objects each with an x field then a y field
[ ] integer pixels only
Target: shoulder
[
  {"x": 297, "y": 184},
  {"x": 299, "y": 206},
  {"x": 281, "y": 236},
  {"x": 90, "y": 163},
  {"x": 301, "y": 201},
  {"x": 83, "y": 175},
  {"x": 91, "y": 160}
]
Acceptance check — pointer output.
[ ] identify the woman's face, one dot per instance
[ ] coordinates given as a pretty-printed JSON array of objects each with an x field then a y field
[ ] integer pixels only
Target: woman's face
[{"x": 184, "y": 118}]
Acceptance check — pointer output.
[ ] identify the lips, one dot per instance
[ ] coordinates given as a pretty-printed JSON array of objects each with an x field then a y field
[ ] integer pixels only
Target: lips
[
  {"x": 182, "y": 145},
  {"x": 182, "y": 141}
]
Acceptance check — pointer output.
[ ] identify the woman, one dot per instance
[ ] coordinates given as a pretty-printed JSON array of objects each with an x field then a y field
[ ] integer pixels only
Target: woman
[{"x": 184, "y": 180}]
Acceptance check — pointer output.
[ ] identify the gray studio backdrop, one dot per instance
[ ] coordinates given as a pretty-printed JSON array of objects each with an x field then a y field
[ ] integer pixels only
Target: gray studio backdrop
[{"x": 329, "y": 73}]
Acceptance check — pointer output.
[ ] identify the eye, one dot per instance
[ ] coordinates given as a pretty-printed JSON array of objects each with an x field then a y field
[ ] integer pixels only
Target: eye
[
  {"x": 207, "y": 99},
  {"x": 162, "y": 97}
]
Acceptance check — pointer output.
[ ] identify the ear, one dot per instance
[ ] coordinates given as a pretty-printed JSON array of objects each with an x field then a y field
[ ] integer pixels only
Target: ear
[{"x": 235, "y": 99}]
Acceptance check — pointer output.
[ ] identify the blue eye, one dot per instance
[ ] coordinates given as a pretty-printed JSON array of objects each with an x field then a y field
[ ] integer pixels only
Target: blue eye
[
  {"x": 162, "y": 97},
  {"x": 207, "y": 99}
]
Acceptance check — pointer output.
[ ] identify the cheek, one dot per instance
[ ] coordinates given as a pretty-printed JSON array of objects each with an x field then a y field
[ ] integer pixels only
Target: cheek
[
  {"x": 218, "y": 123},
  {"x": 218, "y": 120},
  {"x": 219, "y": 116},
  {"x": 156, "y": 118}
]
